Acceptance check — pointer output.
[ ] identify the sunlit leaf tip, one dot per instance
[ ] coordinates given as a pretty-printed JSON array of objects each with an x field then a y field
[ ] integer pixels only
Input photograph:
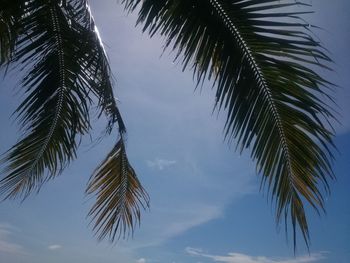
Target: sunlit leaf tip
[{"x": 119, "y": 196}]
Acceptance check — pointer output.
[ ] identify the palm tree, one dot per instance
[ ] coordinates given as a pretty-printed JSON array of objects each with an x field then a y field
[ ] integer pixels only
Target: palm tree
[{"x": 262, "y": 59}]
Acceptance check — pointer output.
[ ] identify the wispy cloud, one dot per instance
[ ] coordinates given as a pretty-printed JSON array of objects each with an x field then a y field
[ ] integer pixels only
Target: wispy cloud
[
  {"x": 160, "y": 164},
  {"x": 189, "y": 197},
  {"x": 243, "y": 258},
  {"x": 192, "y": 218},
  {"x": 54, "y": 247},
  {"x": 6, "y": 245},
  {"x": 141, "y": 260},
  {"x": 169, "y": 223}
]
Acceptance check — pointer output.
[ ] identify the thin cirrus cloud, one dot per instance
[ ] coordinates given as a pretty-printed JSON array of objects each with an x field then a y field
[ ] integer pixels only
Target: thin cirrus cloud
[
  {"x": 243, "y": 258},
  {"x": 169, "y": 223},
  {"x": 160, "y": 164},
  {"x": 6, "y": 245}
]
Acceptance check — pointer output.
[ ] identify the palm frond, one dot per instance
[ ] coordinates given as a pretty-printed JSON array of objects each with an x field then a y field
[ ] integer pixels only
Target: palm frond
[
  {"x": 68, "y": 71},
  {"x": 120, "y": 196},
  {"x": 262, "y": 58}
]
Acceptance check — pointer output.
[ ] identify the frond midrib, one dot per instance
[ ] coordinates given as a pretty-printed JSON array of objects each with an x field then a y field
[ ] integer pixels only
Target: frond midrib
[
  {"x": 61, "y": 88},
  {"x": 258, "y": 74}
]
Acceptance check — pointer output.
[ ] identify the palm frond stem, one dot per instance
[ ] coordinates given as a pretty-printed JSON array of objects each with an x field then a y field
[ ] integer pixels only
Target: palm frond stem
[
  {"x": 247, "y": 54},
  {"x": 61, "y": 88}
]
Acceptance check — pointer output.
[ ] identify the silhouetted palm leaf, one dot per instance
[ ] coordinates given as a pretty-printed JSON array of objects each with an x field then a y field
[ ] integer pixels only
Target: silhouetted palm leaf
[
  {"x": 261, "y": 58},
  {"x": 120, "y": 196},
  {"x": 68, "y": 72}
]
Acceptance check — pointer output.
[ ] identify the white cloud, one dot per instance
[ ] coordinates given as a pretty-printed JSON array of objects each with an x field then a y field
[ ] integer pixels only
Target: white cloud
[
  {"x": 194, "y": 251},
  {"x": 160, "y": 164},
  {"x": 54, "y": 247},
  {"x": 189, "y": 197},
  {"x": 6, "y": 245},
  {"x": 141, "y": 260},
  {"x": 243, "y": 258}
]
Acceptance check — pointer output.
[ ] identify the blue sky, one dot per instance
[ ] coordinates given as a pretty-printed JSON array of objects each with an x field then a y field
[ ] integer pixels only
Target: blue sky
[{"x": 205, "y": 200}]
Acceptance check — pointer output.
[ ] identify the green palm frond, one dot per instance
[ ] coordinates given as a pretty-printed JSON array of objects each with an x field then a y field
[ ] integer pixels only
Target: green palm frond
[
  {"x": 54, "y": 110},
  {"x": 58, "y": 44},
  {"x": 68, "y": 71},
  {"x": 120, "y": 196},
  {"x": 262, "y": 57}
]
